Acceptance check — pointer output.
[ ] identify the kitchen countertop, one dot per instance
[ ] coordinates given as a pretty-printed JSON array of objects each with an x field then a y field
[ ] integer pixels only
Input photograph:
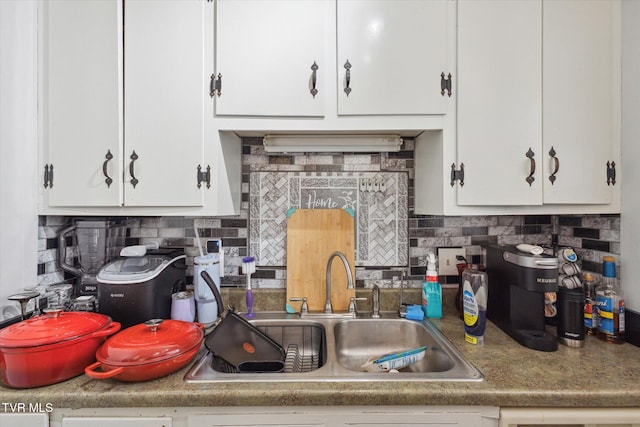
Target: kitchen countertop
[{"x": 597, "y": 375}]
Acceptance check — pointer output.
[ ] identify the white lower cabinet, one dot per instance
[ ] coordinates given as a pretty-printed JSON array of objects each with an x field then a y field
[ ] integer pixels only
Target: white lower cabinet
[
  {"x": 285, "y": 416},
  {"x": 24, "y": 420},
  {"x": 331, "y": 417},
  {"x": 117, "y": 421},
  {"x": 587, "y": 417}
]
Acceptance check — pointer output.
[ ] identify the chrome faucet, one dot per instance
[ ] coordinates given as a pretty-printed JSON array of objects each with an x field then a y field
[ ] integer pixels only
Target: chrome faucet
[
  {"x": 376, "y": 302},
  {"x": 327, "y": 305}
]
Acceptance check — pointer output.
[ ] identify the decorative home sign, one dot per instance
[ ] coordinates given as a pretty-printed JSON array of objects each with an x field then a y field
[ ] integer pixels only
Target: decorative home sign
[{"x": 379, "y": 200}]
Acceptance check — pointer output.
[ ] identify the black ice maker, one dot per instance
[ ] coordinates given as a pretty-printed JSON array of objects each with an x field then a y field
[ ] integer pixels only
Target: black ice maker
[{"x": 517, "y": 283}]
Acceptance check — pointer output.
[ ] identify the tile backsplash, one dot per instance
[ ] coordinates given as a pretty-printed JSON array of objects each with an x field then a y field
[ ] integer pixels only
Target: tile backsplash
[
  {"x": 592, "y": 236},
  {"x": 378, "y": 200}
]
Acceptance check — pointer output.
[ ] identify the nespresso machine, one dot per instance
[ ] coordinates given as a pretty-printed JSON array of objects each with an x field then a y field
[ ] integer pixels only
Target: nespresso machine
[{"x": 517, "y": 283}]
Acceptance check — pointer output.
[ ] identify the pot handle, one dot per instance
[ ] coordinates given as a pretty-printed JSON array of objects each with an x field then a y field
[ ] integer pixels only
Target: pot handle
[
  {"x": 91, "y": 371},
  {"x": 111, "y": 328}
]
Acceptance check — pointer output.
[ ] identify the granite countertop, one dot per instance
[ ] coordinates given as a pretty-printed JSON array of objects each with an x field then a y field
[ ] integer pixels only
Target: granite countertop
[{"x": 598, "y": 375}]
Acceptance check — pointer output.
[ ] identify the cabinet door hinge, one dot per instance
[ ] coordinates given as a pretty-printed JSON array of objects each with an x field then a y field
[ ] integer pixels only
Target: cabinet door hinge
[
  {"x": 215, "y": 85},
  {"x": 48, "y": 176},
  {"x": 611, "y": 173},
  {"x": 445, "y": 84},
  {"x": 457, "y": 174},
  {"x": 203, "y": 176}
]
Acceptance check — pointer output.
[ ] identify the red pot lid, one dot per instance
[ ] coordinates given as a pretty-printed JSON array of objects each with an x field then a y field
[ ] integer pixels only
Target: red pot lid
[
  {"x": 52, "y": 327},
  {"x": 149, "y": 342}
]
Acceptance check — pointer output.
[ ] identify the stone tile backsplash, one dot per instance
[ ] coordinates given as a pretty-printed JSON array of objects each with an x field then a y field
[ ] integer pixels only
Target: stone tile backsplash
[{"x": 592, "y": 236}]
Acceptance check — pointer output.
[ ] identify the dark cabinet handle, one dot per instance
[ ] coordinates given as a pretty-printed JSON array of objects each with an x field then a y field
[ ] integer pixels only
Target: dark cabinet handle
[
  {"x": 46, "y": 175},
  {"x": 552, "y": 177},
  {"x": 314, "y": 69},
  {"x": 134, "y": 180},
  {"x": 107, "y": 178},
  {"x": 532, "y": 167},
  {"x": 347, "y": 78}
]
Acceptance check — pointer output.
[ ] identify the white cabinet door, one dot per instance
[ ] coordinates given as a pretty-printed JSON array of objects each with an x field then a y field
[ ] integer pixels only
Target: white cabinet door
[
  {"x": 117, "y": 421},
  {"x": 396, "y": 53},
  {"x": 264, "y": 53},
  {"x": 499, "y": 101},
  {"x": 536, "y": 76},
  {"x": 577, "y": 109},
  {"x": 24, "y": 420},
  {"x": 82, "y": 123},
  {"x": 164, "y": 97}
]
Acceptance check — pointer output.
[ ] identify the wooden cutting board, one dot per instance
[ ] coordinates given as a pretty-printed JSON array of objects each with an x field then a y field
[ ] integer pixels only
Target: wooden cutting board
[{"x": 312, "y": 236}]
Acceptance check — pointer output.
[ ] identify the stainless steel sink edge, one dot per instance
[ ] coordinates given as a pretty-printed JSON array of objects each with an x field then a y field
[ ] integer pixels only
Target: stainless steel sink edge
[{"x": 332, "y": 371}]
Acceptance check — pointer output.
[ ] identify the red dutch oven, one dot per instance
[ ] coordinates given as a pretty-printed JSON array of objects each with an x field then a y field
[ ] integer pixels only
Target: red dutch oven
[
  {"x": 147, "y": 351},
  {"x": 54, "y": 347}
]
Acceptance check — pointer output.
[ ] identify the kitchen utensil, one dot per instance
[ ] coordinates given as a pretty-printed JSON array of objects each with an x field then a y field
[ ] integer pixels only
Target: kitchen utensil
[
  {"x": 51, "y": 348},
  {"x": 23, "y": 298},
  {"x": 207, "y": 308},
  {"x": 249, "y": 267},
  {"x": 147, "y": 351},
  {"x": 234, "y": 340},
  {"x": 312, "y": 236},
  {"x": 134, "y": 289},
  {"x": 97, "y": 241}
]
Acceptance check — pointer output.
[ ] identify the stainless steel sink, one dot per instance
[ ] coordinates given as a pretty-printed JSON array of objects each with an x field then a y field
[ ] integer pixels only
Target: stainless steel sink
[
  {"x": 334, "y": 349},
  {"x": 360, "y": 339}
]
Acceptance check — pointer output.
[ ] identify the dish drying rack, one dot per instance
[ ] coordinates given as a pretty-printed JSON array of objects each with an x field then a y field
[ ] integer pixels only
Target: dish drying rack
[{"x": 302, "y": 352}]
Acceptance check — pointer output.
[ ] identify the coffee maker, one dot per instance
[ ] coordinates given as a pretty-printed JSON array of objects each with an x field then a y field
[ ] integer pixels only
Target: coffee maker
[{"x": 517, "y": 284}]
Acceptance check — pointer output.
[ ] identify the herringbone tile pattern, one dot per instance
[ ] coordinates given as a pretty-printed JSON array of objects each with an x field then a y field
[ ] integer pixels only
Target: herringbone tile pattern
[{"x": 379, "y": 200}]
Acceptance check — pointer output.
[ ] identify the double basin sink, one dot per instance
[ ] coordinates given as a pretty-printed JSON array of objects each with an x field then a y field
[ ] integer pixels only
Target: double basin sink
[{"x": 334, "y": 349}]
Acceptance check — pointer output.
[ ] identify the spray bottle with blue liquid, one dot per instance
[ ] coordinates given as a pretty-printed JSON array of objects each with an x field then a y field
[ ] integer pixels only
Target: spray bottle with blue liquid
[{"x": 431, "y": 290}]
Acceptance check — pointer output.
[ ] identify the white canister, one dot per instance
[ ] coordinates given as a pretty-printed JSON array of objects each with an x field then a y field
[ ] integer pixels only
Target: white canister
[
  {"x": 183, "y": 306},
  {"x": 207, "y": 308}
]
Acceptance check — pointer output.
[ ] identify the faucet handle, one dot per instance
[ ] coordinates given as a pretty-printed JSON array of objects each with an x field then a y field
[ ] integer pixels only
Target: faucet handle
[
  {"x": 352, "y": 304},
  {"x": 304, "y": 309}
]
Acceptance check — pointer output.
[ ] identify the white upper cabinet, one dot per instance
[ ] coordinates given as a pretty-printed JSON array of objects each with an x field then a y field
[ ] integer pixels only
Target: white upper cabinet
[
  {"x": 125, "y": 96},
  {"x": 390, "y": 58},
  {"x": 579, "y": 83},
  {"x": 270, "y": 58},
  {"x": 499, "y": 101},
  {"x": 284, "y": 58},
  {"x": 82, "y": 111},
  {"x": 536, "y": 102},
  {"x": 163, "y": 102},
  {"x": 538, "y": 112}
]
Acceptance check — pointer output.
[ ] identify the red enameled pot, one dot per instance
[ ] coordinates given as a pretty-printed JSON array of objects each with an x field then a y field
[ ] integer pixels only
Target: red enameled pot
[
  {"x": 54, "y": 347},
  {"x": 147, "y": 351}
]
